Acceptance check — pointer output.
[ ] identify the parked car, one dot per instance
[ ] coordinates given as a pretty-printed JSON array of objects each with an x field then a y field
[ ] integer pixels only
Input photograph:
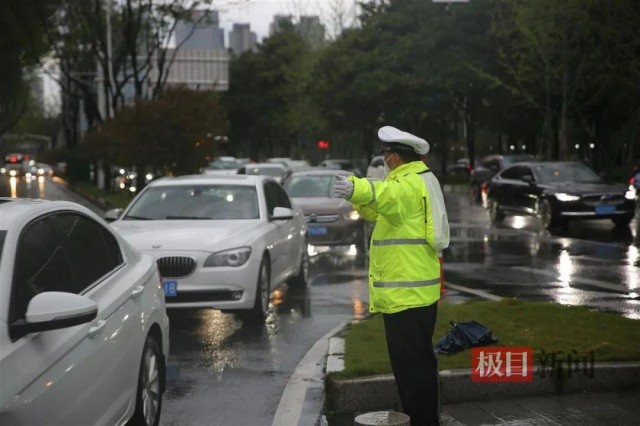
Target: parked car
[
  {"x": 84, "y": 333},
  {"x": 376, "y": 168},
  {"x": 487, "y": 167},
  {"x": 275, "y": 170},
  {"x": 634, "y": 186},
  {"x": 222, "y": 242},
  {"x": 340, "y": 164},
  {"x": 331, "y": 221},
  {"x": 557, "y": 192}
]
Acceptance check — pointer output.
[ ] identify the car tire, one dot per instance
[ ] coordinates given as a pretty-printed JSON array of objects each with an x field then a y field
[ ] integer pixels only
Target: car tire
[
  {"x": 548, "y": 218},
  {"x": 302, "y": 277},
  {"x": 263, "y": 290},
  {"x": 622, "y": 221},
  {"x": 475, "y": 192},
  {"x": 495, "y": 214},
  {"x": 150, "y": 386}
]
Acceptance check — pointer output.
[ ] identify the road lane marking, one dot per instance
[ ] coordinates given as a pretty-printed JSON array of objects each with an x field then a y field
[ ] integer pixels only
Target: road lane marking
[
  {"x": 289, "y": 409},
  {"x": 573, "y": 279},
  {"x": 474, "y": 291}
]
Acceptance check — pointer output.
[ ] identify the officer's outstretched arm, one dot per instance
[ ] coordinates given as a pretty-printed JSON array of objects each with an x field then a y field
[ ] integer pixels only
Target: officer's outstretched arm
[{"x": 379, "y": 196}]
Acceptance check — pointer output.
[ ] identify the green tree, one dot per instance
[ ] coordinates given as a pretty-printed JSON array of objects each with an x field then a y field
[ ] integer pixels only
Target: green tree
[{"x": 172, "y": 134}]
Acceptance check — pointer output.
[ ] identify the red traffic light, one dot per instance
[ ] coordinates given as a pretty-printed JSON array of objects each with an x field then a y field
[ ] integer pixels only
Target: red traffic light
[{"x": 324, "y": 144}]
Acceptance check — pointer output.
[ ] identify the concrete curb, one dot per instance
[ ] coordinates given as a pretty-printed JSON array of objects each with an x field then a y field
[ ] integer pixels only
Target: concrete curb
[{"x": 380, "y": 393}]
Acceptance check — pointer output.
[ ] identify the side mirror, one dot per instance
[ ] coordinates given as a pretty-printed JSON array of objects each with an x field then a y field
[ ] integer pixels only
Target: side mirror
[
  {"x": 53, "y": 310},
  {"x": 528, "y": 179},
  {"x": 281, "y": 213},
  {"x": 113, "y": 214}
]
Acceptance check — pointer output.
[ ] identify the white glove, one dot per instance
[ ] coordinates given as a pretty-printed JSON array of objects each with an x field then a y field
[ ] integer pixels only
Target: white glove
[{"x": 342, "y": 188}]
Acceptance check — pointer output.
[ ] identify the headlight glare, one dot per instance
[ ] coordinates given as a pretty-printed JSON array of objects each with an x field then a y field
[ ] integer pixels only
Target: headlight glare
[
  {"x": 233, "y": 257},
  {"x": 352, "y": 215},
  {"x": 567, "y": 197}
]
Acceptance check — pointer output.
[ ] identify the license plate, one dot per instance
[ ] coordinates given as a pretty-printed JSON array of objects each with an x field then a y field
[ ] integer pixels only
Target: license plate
[
  {"x": 605, "y": 209},
  {"x": 317, "y": 230},
  {"x": 170, "y": 288}
]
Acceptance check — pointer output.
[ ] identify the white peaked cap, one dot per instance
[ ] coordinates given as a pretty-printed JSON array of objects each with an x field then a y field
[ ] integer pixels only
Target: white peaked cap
[{"x": 390, "y": 134}]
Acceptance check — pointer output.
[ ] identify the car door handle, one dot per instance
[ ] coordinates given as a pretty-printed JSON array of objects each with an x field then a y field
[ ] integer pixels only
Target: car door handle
[
  {"x": 137, "y": 292},
  {"x": 97, "y": 328}
]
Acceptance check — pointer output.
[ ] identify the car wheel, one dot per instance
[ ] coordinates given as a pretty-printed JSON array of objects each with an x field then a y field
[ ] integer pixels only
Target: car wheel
[
  {"x": 474, "y": 193},
  {"x": 495, "y": 214},
  {"x": 150, "y": 386},
  {"x": 548, "y": 219},
  {"x": 302, "y": 278},
  {"x": 622, "y": 221},
  {"x": 261, "y": 305}
]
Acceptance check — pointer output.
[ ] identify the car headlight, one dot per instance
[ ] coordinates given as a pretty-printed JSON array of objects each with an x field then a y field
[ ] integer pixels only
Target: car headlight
[
  {"x": 233, "y": 257},
  {"x": 352, "y": 215},
  {"x": 566, "y": 197},
  {"x": 630, "y": 194}
]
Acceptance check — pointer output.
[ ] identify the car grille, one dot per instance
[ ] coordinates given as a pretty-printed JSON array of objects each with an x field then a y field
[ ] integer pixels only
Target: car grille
[
  {"x": 597, "y": 199},
  {"x": 176, "y": 266},
  {"x": 312, "y": 218}
]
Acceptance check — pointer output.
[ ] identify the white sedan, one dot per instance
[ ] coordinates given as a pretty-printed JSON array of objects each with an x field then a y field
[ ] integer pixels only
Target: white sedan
[
  {"x": 222, "y": 242},
  {"x": 84, "y": 334}
]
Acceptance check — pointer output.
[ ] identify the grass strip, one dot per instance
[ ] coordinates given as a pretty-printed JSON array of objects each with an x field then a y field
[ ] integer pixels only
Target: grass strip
[{"x": 545, "y": 327}]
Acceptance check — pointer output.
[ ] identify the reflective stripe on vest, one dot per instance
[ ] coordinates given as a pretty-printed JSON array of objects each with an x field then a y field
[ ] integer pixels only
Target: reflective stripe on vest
[
  {"x": 373, "y": 193},
  {"x": 405, "y": 284},
  {"x": 399, "y": 241}
]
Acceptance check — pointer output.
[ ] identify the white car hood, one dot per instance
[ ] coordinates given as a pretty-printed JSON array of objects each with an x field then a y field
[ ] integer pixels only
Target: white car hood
[{"x": 201, "y": 235}]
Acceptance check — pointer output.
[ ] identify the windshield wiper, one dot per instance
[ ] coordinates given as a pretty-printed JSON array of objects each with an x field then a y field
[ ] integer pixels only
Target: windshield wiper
[
  {"x": 188, "y": 217},
  {"x": 136, "y": 217}
]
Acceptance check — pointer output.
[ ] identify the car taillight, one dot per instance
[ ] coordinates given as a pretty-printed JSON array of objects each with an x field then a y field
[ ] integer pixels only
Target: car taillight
[{"x": 632, "y": 180}]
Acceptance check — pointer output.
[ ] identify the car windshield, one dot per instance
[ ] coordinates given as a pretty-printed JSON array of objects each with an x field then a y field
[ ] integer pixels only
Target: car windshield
[
  {"x": 309, "y": 186},
  {"x": 549, "y": 173},
  {"x": 266, "y": 170},
  {"x": 223, "y": 165},
  {"x": 198, "y": 202}
]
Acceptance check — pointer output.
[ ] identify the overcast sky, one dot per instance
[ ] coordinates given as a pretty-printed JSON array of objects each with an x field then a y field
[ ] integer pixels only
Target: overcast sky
[{"x": 259, "y": 13}]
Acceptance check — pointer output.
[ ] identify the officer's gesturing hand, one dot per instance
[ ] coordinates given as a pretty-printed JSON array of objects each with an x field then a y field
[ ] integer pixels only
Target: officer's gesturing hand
[{"x": 342, "y": 188}]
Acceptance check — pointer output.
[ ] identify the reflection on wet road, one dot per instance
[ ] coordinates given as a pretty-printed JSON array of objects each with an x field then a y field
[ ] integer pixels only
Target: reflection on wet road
[
  {"x": 591, "y": 264},
  {"x": 45, "y": 188},
  {"x": 222, "y": 371}
]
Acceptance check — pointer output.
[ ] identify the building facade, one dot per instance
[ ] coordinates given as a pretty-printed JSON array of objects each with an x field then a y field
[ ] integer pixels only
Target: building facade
[
  {"x": 201, "y": 32},
  {"x": 242, "y": 39}
]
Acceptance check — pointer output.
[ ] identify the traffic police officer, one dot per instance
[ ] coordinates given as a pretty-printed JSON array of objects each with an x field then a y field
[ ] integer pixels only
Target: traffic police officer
[{"x": 411, "y": 230}]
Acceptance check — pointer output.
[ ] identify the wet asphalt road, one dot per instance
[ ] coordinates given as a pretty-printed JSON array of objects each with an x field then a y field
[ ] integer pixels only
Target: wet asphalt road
[{"x": 224, "y": 372}]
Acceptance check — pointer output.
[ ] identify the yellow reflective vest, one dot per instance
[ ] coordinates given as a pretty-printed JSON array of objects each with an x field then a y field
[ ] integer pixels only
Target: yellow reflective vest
[{"x": 404, "y": 271}]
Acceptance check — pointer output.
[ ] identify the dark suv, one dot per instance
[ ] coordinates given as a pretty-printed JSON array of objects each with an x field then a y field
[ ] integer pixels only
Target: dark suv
[{"x": 487, "y": 167}]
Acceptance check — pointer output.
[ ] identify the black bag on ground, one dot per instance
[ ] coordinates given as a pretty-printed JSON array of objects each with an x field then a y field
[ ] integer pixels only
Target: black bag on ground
[{"x": 464, "y": 335}]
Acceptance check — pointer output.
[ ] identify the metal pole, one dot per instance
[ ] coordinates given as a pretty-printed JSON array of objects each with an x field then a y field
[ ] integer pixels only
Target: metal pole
[{"x": 109, "y": 55}]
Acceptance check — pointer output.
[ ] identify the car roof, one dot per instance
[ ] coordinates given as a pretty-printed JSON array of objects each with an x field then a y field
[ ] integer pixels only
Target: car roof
[
  {"x": 271, "y": 165},
  {"x": 13, "y": 209},
  {"x": 233, "y": 179},
  {"x": 543, "y": 163},
  {"x": 320, "y": 172}
]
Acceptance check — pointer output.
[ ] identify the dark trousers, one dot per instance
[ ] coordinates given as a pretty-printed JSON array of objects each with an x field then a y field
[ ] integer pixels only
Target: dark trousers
[{"x": 413, "y": 362}]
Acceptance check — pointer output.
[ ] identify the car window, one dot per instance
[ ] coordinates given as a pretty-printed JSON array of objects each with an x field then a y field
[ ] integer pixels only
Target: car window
[
  {"x": 91, "y": 250},
  {"x": 3, "y": 234},
  {"x": 265, "y": 170},
  {"x": 282, "y": 199},
  {"x": 566, "y": 172},
  {"x": 196, "y": 202},
  {"x": 517, "y": 172},
  {"x": 41, "y": 265},
  {"x": 271, "y": 197},
  {"x": 309, "y": 186}
]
